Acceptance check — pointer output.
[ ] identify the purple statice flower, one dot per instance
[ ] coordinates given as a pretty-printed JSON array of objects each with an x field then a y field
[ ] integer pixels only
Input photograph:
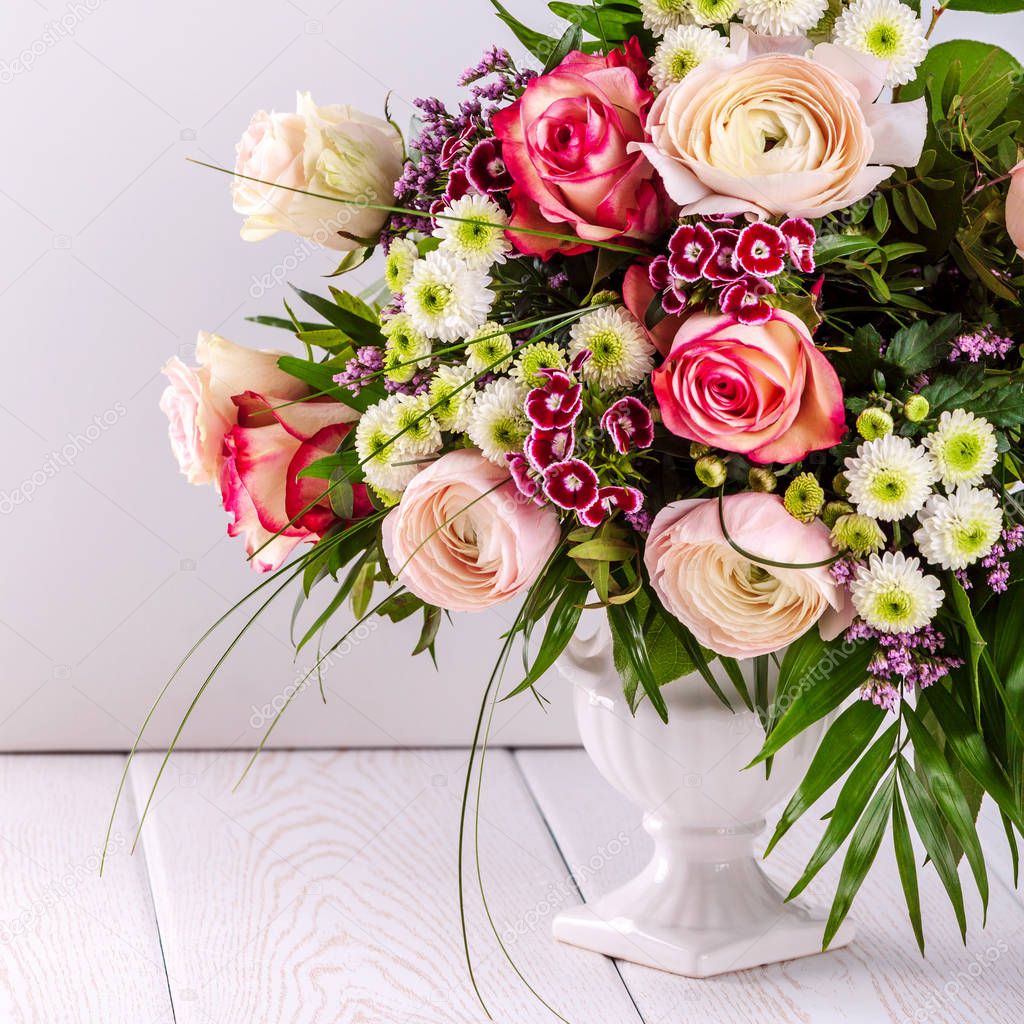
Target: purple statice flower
[
  {"x": 902, "y": 660},
  {"x": 495, "y": 61},
  {"x": 996, "y": 562},
  {"x": 974, "y": 346},
  {"x": 640, "y": 520},
  {"x": 843, "y": 571},
  {"x": 559, "y": 280},
  {"x": 367, "y": 360},
  {"x": 418, "y": 384}
]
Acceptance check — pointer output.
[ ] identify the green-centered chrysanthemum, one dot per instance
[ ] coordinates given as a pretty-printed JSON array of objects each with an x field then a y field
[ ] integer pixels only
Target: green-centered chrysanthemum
[
  {"x": 963, "y": 447},
  {"x": 661, "y": 15},
  {"x": 860, "y": 535},
  {"x": 487, "y": 347},
  {"x": 406, "y": 350},
  {"x": 916, "y": 408},
  {"x": 890, "y": 478},
  {"x": 398, "y": 263},
  {"x": 804, "y": 497},
  {"x": 541, "y": 355},
  {"x": 684, "y": 48},
  {"x": 834, "y": 511},
  {"x": 886, "y": 29},
  {"x": 893, "y": 595},
  {"x": 621, "y": 354},
  {"x": 452, "y": 402},
  {"x": 874, "y": 423},
  {"x": 713, "y": 12},
  {"x": 710, "y": 470},
  {"x": 959, "y": 529},
  {"x": 475, "y": 232}
]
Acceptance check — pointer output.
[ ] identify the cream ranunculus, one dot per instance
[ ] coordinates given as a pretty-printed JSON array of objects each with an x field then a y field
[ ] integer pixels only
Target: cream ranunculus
[
  {"x": 334, "y": 151},
  {"x": 732, "y": 605},
  {"x": 780, "y": 134},
  {"x": 463, "y": 538}
]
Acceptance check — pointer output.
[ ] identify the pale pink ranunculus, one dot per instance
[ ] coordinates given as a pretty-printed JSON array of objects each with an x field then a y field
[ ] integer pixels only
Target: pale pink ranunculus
[
  {"x": 762, "y": 390},
  {"x": 1015, "y": 208},
  {"x": 780, "y": 134},
  {"x": 337, "y": 152},
  {"x": 462, "y": 538},
  {"x": 197, "y": 401},
  {"x": 732, "y": 605},
  {"x": 566, "y": 141},
  {"x": 260, "y": 487}
]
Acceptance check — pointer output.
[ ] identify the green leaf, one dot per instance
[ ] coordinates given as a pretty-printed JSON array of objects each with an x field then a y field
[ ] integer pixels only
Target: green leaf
[
  {"x": 615, "y": 25},
  {"x": 603, "y": 549},
  {"x": 360, "y": 330},
  {"x": 904, "y": 850},
  {"x": 820, "y": 686},
  {"x": 949, "y": 798},
  {"x": 833, "y": 247},
  {"x": 673, "y": 660},
  {"x": 915, "y": 348},
  {"x": 845, "y": 741},
  {"x": 929, "y": 828},
  {"x": 537, "y": 43},
  {"x": 631, "y": 646},
  {"x": 571, "y": 39},
  {"x": 919, "y": 205},
  {"x": 850, "y": 804},
  {"x": 320, "y": 376},
  {"x": 987, "y": 6},
  {"x": 735, "y": 674},
  {"x": 860, "y": 856}
]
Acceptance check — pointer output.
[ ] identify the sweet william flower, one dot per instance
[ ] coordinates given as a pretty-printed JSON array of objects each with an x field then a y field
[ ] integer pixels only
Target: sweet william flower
[
  {"x": 627, "y": 500},
  {"x": 336, "y": 151},
  {"x": 485, "y": 168},
  {"x": 690, "y": 248},
  {"x": 761, "y": 250},
  {"x": 556, "y": 404},
  {"x": 571, "y": 485},
  {"x": 629, "y": 424},
  {"x": 723, "y": 266},
  {"x": 545, "y": 447},
  {"x": 745, "y": 301},
  {"x": 800, "y": 236}
]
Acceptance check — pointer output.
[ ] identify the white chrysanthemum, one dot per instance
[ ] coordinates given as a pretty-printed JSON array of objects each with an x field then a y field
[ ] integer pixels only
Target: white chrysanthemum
[
  {"x": 422, "y": 433},
  {"x": 959, "y": 529},
  {"x": 540, "y": 355},
  {"x": 446, "y": 298},
  {"x": 782, "y": 17},
  {"x": 890, "y": 478},
  {"x": 963, "y": 447},
  {"x": 478, "y": 236},
  {"x": 387, "y": 464},
  {"x": 621, "y": 354},
  {"x": 453, "y": 402},
  {"x": 498, "y": 423},
  {"x": 683, "y": 49},
  {"x": 407, "y": 349},
  {"x": 886, "y": 29},
  {"x": 893, "y": 595},
  {"x": 398, "y": 264},
  {"x": 661, "y": 15},
  {"x": 487, "y": 346},
  {"x": 713, "y": 12}
]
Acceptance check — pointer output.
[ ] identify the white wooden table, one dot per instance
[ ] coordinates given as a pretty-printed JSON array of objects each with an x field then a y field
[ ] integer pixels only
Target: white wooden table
[{"x": 325, "y": 889}]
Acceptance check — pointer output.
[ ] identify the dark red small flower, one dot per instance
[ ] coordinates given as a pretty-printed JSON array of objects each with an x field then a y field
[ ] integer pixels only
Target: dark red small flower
[
  {"x": 690, "y": 248},
  {"x": 458, "y": 186},
  {"x": 546, "y": 447},
  {"x": 486, "y": 170},
  {"x": 454, "y": 144},
  {"x": 674, "y": 300},
  {"x": 555, "y": 404},
  {"x": 528, "y": 482},
  {"x": 629, "y": 423},
  {"x": 627, "y": 499},
  {"x": 722, "y": 267},
  {"x": 571, "y": 484},
  {"x": 800, "y": 236},
  {"x": 745, "y": 301},
  {"x": 658, "y": 273},
  {"x": 580, "y": 360},
  {"x": 761, "y": 249}
]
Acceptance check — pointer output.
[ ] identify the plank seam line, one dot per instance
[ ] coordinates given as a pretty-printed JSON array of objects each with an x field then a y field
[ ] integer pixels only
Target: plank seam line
[{"x": 568, "y": 867}]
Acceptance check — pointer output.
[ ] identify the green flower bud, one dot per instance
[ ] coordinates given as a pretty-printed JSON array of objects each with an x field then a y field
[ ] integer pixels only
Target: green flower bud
[
  {"x": 834, "y": 510},
  {"x": 710, "y": 471},
  {"x": 761, "y": 479},
  {"x": 874, "y": 423},
  {"x": 804, "y": 497},
  {"x": 858, "y": 534},
  {"x": 840, "y": 485},
  {"x": 698, "y": 451},
  {"x": 916, "y": 408},
  {"x": 601, "y": 297}
]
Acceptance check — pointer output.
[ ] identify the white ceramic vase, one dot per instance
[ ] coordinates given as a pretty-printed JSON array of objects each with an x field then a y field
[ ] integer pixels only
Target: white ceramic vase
[{"x": 703, "y": 905}]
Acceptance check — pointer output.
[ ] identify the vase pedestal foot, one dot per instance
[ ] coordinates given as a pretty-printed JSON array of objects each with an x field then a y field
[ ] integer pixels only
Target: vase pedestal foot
[{"x": 701, "y": 907}]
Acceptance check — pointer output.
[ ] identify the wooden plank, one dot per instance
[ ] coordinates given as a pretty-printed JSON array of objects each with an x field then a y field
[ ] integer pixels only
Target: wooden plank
[
  {"x": 74, "y": 947},
  {"x": 325, "y": 889},
  {"x": 881, "y": 977}
]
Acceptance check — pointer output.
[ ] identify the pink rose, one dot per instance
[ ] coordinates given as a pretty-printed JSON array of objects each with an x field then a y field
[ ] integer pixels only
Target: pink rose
[
  {"x": 762, "y": 390},
  {"x": 831, "y": 142},
  {"x": 259, "y": 481},
  {"x": 733, "y": 606},
  {"x": 566, "y": 144},
  {"x": 463, "y": 539},
  {"x": 197, "y": 402},
  {"x": 1015, "y": 208}
]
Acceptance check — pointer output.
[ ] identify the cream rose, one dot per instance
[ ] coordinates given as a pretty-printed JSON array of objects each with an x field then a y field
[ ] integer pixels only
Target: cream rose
[
  {"x": 463, "y": 539},
  {"x": 197, "y": 401},
  {"x": 732, "y": 605},
  {"x": 334, "y": 151},
  {"x": 779, "y": 134}
]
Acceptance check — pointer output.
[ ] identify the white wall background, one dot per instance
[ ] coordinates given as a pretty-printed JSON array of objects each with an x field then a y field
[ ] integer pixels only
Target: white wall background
[{"x": 114, "y": 251}]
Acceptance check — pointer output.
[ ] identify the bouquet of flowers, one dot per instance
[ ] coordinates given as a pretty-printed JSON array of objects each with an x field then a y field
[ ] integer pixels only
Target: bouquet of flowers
[{"x": 705, "y": 319}]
